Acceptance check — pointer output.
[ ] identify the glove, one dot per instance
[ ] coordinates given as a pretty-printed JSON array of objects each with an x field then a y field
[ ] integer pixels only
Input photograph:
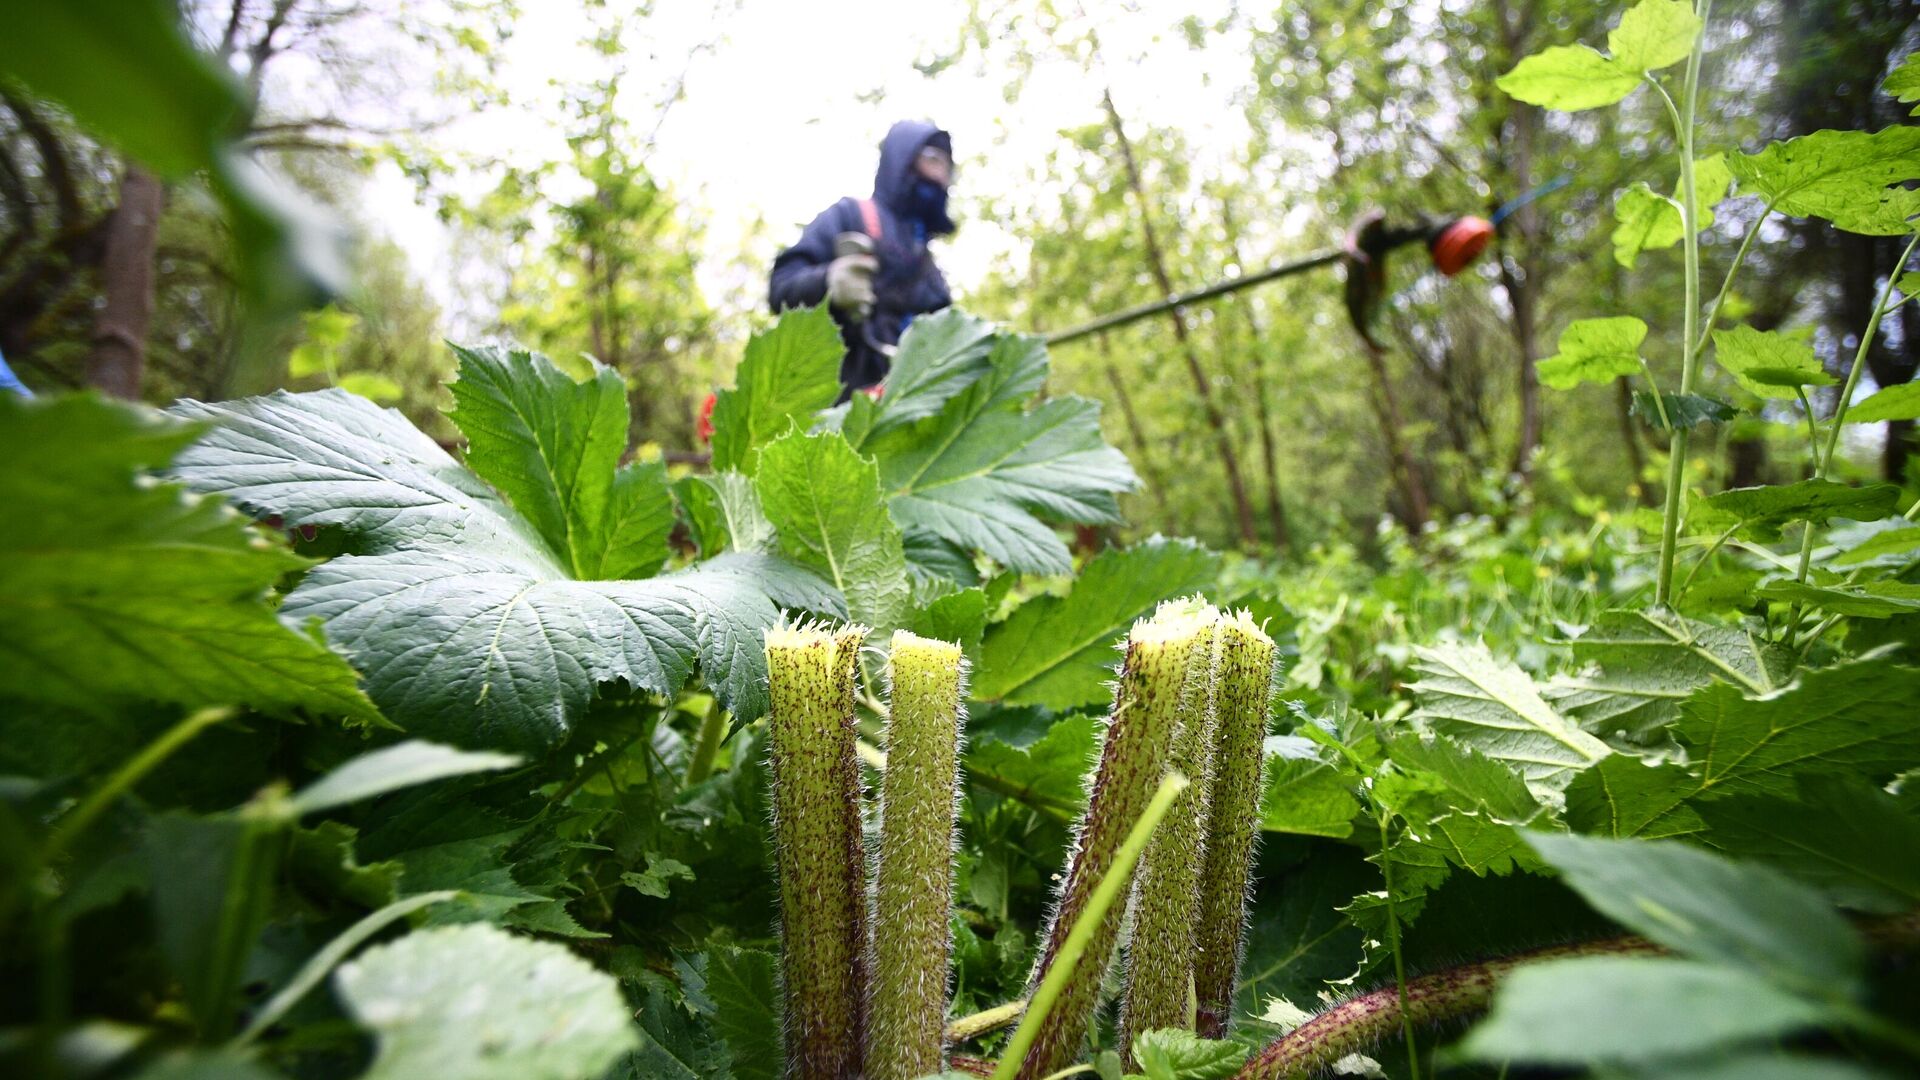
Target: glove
[{"x": 850, "y": 284}]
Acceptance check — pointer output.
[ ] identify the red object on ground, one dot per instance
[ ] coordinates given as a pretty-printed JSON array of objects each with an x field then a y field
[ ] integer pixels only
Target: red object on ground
[
  {"x": 703, "y": 427},
  {"x": 1460, "y": 243}
]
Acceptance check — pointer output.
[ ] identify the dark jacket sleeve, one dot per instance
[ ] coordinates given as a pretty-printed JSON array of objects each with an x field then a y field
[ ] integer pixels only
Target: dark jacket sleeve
[{"x": 800, "y": 273}]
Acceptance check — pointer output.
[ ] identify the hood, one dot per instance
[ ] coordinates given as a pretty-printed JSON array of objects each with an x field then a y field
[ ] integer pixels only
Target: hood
[{"x": 893, "y": 181}]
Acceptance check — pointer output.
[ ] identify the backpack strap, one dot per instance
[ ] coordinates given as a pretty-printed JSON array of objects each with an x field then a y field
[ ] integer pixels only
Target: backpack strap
[{"x": 870, "y": 217}]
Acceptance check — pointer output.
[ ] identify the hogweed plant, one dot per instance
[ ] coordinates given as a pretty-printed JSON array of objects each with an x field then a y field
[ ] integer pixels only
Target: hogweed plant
[
  {"x": 913, "y": 874},
  {"x": 869, "y": 995}
]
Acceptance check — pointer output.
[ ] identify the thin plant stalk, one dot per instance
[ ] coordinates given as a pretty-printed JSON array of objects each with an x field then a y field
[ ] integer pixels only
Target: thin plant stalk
[
  {"x": 706, "y": 748},
  {"x": 913, "y": 875},
  {"x": 1085, "y": 931},
  {"x": 1683, "y": 117}
]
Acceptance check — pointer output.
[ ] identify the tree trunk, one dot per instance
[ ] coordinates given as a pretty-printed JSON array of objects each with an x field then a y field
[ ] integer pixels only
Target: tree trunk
[
  {"x": 1413, "y": 486},
  {"x": 1156, "y": 261},
  {"x": 1263, "y": 411},
  {"x": 119, "y": 358},
  {"x": 1519, "y": 272},
  {"x": 1142, "y": 450}
]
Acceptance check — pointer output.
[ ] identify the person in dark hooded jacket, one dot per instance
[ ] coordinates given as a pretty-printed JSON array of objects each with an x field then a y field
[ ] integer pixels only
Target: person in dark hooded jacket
[{"x": 874, "y": 297}]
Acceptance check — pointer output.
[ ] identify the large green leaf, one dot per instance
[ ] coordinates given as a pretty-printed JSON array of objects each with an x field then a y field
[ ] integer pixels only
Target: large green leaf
[
  {"x": 987, "y": 476},
  {"x": 482, "y": 1004},
  {"x": 1900, "y": 402},
  {"x": 485, "y": 650},
  {"x": 742, "y": 983},
  {"x": 1492, "y": 706},
  {"x": 1590, "y": 1009},
  {"x": 1569, "y": 78},
  {"x": 551, "y": 446},
  {"x": 1767, "y": 362},
  {"x": 1852, "y": 178},
  {"x": 1049, "y": 773},
  {"x": 467, "y": 629},
  {"x": 114, "y": 589},
  {"x": 1873, "y": 600},
  {"x": 1058, "y": 651},
  {"x": 1308, "y": 797},
  {"x": 1839, "y": 832},
  {"x": 1594, "y": 350},
  {"x": 789, "y": 373},
  {"x": 1636, "y": 667},
  {"x": 1654, "y": 34},
  {"x": 1904, "y": 84},
  {"x": 824, "y": 500},
  {"x": 1705, "y": 907},
  {"x": 1761, "y": 511},
  {"x": 939, "y": 356},
  {"x": 1853, "y": 717}
]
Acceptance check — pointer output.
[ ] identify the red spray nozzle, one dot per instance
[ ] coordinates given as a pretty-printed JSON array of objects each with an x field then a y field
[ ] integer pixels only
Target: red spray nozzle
[{"x": 1455, "y": 247}]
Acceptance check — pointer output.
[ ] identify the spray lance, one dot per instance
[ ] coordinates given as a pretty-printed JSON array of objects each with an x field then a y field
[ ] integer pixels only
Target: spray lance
[{"x": 1452, "y": 245}]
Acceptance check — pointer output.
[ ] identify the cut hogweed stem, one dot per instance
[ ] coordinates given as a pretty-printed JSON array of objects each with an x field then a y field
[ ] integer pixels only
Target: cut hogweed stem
[
  {"x": 913, "y": 875},
  {"x": 1360, "y": 1022},
  {"x": 1133, "y": 758},
  {"x": 1166, "y": 892},
  {"x": 817, "y": 847},
  {"x": 1244, "y": 689}
]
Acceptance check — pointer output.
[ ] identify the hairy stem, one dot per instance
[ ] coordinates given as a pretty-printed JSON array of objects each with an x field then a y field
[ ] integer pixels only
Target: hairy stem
[
  {"x": 1132, "y": 760},
  {"x": 817, "y": 846},
  {"x": 1246, "y": 675},
  {"x": 913, "y": 877},
  {"x": 1089, "y": 927},
  {"x": 1166, "y": 894},
  {"x": 1366, "y": 1019}
]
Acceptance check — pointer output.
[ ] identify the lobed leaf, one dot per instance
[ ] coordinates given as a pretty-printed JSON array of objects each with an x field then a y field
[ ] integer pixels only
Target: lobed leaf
[
  {"x": 552, "y": 445},
  {"x": 475, "y": 1001},
  {"x": 116, "y": 590},
  {"x": 1638, "y": 666},
  {"x": 465, "y": 626},
  {"x": 1058, "y": 651},
  {"x": 1594, "y": 350},
  {"x": 1901, "y": 402},
  {"x": 1569, "y": 78},
  {"x": 1852, "y": 178},
  {"x": 1904, "y": 84},
  {"x": 788, "y": 373},
  {"x": 1769, "y": 363},
  {"x": 1492, "y": 706},
  {"x": 824, "y": 501}
]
